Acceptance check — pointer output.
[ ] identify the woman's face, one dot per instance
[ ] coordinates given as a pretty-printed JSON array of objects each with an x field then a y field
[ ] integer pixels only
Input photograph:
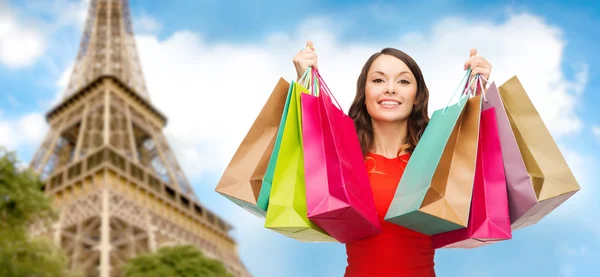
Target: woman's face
[{"x": 390, "y": 90}]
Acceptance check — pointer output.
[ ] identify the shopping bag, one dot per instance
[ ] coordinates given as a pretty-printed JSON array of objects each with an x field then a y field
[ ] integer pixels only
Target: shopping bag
[
  {"x": 549, "y": 177},
  {"x": 434, "y": 193},
  {"x": 489, "y": 220},
  {"x": 339, "y": 195},
  {"x": 287, "y": 211},
  {"x": 521, "y": 196},
  {"x": 267, "y": 182},
  {"x": 241, "y": 181}
]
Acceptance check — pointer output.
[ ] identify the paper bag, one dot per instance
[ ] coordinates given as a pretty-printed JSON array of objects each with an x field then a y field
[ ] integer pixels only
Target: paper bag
[
  {"x": 518, "y": 183},
  {"x": 550, "y": 178},
  {"x": 489, "y": 220},
  {"x": 287, "y": 212},
  {"x": 242, "y": 180},
  {"x": 434, "y": 193},
  {"x": 267, "y": 182},
  {"x": 339, "y": 195}
]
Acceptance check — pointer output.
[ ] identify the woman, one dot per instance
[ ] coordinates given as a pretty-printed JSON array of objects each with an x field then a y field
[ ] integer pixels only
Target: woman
[{"x": 390, "y": 115}]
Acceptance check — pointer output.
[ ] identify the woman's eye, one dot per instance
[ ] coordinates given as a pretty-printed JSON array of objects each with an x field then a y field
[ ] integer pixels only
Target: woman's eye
[
  {"x": 377, "y": 80},
  {"x": 404, "y": 82}
]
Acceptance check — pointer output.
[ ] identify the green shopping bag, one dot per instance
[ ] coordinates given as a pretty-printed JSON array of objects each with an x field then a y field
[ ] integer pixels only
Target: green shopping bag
[
  {"x": 287, "y": 211},
  {"x": 434, "y": 193},
  {"x": 265, "y": 190}
]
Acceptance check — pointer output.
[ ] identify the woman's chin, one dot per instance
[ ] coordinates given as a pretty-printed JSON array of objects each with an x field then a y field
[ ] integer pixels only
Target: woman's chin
[{"x": 389, "y": 118}]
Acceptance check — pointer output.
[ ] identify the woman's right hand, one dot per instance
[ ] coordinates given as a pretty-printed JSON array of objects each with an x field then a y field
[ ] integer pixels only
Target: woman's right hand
[{"x": 305, "y": 58}]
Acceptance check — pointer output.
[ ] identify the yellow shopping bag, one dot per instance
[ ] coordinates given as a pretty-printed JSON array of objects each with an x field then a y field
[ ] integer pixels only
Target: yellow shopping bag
[{"x": 287, "y": 212}]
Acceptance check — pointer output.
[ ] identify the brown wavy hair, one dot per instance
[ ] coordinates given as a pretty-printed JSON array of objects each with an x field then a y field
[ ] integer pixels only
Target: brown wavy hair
[{"x": 418, "y": 118}]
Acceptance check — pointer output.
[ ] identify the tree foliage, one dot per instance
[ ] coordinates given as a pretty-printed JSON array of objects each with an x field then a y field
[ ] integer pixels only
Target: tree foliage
[
  {"x": 38, "y": 257},
  {"x": 180, "y": 261},
  {"x": 22, "y": 203}
]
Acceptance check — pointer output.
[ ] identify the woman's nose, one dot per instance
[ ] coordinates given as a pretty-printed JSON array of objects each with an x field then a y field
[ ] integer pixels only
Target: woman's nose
[{"x": 391, "y": 88}]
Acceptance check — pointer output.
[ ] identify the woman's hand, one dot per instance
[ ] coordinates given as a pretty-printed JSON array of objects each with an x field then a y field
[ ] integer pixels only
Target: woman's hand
[
  {"x": 305, "y": 58},
  {"x": 479, "y": 65}
]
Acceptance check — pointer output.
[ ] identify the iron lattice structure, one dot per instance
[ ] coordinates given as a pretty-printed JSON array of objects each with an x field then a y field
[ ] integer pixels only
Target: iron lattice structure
[{"x": 113, "y": 177}]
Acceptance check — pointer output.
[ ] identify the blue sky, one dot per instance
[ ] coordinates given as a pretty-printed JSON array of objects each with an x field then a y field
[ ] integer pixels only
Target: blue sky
[{"x": 191, "y": 50}]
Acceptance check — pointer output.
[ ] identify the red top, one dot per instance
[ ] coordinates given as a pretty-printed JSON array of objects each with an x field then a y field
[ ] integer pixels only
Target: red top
[{"x": 396, "y": 251}]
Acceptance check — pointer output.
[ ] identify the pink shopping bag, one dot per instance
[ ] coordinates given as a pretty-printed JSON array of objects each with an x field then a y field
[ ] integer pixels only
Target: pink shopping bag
[
  {"x": 521, "y": 195},
  {"x": 489, "y": 219},
  {"x": 338, "y": 192}
]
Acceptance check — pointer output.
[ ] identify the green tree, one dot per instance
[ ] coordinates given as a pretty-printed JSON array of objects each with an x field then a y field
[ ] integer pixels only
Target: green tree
[
  {"x": 22, "y": 203},
  {"x": 22, "y": 200},
  {"x": 177, "y": 261}
]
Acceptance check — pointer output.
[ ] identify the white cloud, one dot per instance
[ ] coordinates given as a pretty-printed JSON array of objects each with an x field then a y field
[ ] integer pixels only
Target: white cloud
[
  {"x": 21, "y": 44},
  {"x": 582, "y": 166},
  {"x": 60, "y": 13},
  {"x": 596, "y": 131},
  {"x": 224, "y": 85},
  {"x": 146, "y": 24},
  {"x": 72, "y": 13},
  {"x": 6, "y": 135},
  {"x": 28, "y": 130},
  {"x": 61, "y": 84},
  {"x": 32, "y": 127},
  {"x": 212, "y": 93},
  {"x": 581, "y": 79},
  {"x": 507, "y": 47}
]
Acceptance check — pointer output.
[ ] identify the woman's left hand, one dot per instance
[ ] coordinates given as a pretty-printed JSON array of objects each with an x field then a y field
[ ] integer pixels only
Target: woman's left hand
[{"x": 478, "y": 64}]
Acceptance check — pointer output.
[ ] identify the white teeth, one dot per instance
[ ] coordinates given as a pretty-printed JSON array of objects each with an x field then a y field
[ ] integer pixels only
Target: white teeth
[{"x": 389, "y": 103}]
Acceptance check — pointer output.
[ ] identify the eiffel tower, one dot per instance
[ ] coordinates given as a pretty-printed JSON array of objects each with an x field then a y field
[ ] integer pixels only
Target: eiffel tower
[{"x": 108, "y": 166}]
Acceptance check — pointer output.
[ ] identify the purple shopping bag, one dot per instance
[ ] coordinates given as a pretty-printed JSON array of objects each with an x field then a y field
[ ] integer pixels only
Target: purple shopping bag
[
  {"x": 549, "y": 181},
  {"x": 338, "y": 192},
  {"x": 521, "y": 196}
]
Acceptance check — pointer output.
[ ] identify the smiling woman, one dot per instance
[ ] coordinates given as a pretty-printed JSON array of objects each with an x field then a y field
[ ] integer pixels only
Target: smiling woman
[
  {"x": 390, "y": 91},
  {"x": 390, "y": 115}
]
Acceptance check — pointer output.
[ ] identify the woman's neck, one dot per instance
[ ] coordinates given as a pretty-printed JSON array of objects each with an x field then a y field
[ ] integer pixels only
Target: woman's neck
[{"x": 388, "y": 138}]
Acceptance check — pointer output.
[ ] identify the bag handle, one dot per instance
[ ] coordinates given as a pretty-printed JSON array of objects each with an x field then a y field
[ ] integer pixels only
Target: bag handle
[
  {"x": 306, "y": 78},
  {"x": 309, "y": 81},
  {"x": 483, "y": 91},
  {"x": 326, "y": 89},
  {"x": 462, "y": 94},
  {"x": 316, "y": 91},
  {"x": 317, "y": 81}
]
